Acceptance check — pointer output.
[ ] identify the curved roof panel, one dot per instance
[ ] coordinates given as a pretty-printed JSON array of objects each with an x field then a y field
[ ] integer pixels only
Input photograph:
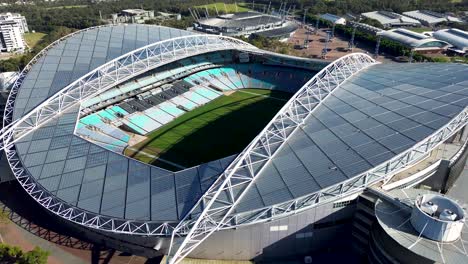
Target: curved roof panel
[
  {"x": 371, "y": 118},
  {"x": 81, "y": 53},
  {"x": 412, "y": 39},
  {"x": 457, "y": 38},
  {"x": 240, "y": 20},
  {"x": 83, "y": 174}
]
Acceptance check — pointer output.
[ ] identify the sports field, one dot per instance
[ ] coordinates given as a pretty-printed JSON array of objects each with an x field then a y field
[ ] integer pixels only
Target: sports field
[
  {"x": 223, "y": 127},
  {"x": 222, "y": 8}
]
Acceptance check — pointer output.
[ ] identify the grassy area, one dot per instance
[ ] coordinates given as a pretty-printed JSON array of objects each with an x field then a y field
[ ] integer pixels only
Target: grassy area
[
  {"x": 67, "y": 6},
  {"x": 420, "y": 30},
  {"x": 33, "y": 38},
  {"x": 231, "y": 8},
  {"x": 223, "y": 127}
]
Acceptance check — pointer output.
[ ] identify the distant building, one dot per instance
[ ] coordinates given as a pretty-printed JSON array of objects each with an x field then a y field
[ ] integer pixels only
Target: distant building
[
  {"x": 138, "y": 16},
  {"x": 365, "y": 27},
  {"x": 245, "y": 24},
  {"x": 430, "y": 18},
  {"x": 334, "y": 19},
  {"x": 390, "y": 19},
  {"x": 17, "y": 18},
  {"x": 415, "y": 41},
  {"x": 166, "y": 16},
  {"x": 12, "y": 28},
  {"x": 455, "y": 37}
]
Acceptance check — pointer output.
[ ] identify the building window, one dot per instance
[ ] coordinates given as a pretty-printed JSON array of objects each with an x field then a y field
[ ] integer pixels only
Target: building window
[
  {"x": 278, "y": 228},
  {"x": 342, "y": 204}
]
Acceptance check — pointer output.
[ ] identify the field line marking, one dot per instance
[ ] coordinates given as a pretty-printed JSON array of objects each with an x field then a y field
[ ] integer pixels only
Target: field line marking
[
  {"x": 156, "y": 157},
  {"x": 266, "y": 96}
]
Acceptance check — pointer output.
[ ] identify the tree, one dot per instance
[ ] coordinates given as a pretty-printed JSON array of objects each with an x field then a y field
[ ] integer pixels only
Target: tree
[
  {"x": 36, "y": 256},
  {"x": 13, "y": 254}
]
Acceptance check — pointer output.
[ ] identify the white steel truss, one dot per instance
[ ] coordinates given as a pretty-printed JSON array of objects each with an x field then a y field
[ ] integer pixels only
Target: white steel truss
[
  {"x": 356, "y": 184},
  {"x": 106, "y": 76},
  {"x": 217, "y": 203}
]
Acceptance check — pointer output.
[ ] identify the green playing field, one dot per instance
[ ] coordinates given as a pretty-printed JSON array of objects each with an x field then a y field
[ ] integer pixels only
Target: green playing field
[
  {"x": 220, "y": 128},
  {"x": 221, "y": 7}
]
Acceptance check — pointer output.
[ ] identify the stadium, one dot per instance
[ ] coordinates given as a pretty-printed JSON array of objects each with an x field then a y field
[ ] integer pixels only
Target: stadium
[
  {"x": 159, "y": 141},
  {"x": 245, "y": 24}
]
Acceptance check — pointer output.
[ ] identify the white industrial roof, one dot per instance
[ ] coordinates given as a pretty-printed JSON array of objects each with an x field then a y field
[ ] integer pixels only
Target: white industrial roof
[
  {"x": 425, "y": 17},
  {"x": 457, "y": 38},
  {"x": 333, "y": 18},
  {"x": 391, "y": 19},
  {"x": 430, "y": 17},
  {"x": 413, "y": 39}
]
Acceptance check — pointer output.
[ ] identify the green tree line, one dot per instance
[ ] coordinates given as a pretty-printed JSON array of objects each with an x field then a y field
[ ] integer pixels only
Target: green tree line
[{"x": 61, "y": 17}]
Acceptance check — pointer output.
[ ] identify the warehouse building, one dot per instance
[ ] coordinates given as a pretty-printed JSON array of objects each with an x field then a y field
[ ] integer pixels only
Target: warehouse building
[
  {"x": 430, "y": 18},
  {"x": 455, "y": 37},
  {"x": 334, "y": 19},
  {"x": 391, "y": 19},
  {"x": 415, "y": 41}
]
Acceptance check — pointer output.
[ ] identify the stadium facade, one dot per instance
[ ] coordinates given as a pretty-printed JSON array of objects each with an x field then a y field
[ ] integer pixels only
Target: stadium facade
[
  {"x": 245, "y": 24},
  {"x": 354, "y": 124}
]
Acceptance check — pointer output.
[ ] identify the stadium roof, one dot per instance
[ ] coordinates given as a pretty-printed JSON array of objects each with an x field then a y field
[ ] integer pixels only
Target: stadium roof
[
  {"x": 374, "y": 116},
  {"x": 455, "y": 37},
  {"x": 377, "y": 114},
  {"x": 412, "y": 39},
  {"x": 279, "y": 32},
  {"x": 240, "y": 20},
  {"x": 390, "y": 19}
]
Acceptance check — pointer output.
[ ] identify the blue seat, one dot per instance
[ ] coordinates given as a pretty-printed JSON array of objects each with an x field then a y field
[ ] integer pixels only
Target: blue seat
[{"x": 171, "y": 109}]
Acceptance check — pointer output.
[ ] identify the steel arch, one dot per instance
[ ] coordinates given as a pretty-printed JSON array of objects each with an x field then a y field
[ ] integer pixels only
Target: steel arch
[
  {"x": 382, "y": 172},
  {"x": 108, "y": 75},
  {"x": 213, "y": 208}
]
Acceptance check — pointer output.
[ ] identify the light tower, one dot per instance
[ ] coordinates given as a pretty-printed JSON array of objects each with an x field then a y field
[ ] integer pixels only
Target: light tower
[
  {"x": 304, "y": 18},
  {"x": 411, "y": 56},
  {"x": 306, "y": 40},
  {"x": 333, "y": 32},
  {"x": 325, "y": 47},
  {"x": 351, "y": 42},
  {"x": 317, "y": 24},
  {"x": 377, "y": 45}
]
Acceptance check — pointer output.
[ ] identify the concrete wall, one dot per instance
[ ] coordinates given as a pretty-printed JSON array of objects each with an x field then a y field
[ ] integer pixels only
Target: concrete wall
[{"x": 316, "y": 229}]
